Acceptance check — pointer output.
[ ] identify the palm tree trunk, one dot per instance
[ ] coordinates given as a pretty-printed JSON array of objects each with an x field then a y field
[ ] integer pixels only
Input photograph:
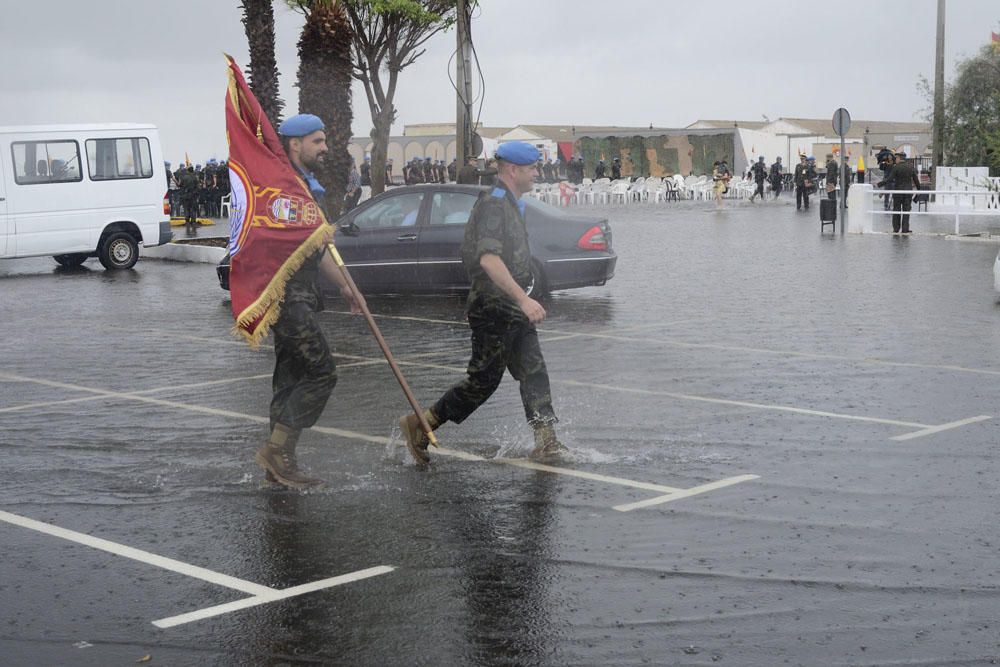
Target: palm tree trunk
[
  {"x": 324, "y": 81},
  {"x": 258, "y": 20}
]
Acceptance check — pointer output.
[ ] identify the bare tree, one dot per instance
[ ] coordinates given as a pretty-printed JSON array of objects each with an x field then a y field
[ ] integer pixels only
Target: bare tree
[{"x": 389, "y": 36}]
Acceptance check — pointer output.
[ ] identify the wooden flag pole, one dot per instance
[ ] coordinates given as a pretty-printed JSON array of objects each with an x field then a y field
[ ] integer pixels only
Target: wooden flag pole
[{"x": 382, "y": 344}]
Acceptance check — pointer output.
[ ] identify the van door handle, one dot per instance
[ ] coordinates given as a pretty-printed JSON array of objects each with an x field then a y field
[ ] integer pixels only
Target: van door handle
[{"x": 407, "y": 237}]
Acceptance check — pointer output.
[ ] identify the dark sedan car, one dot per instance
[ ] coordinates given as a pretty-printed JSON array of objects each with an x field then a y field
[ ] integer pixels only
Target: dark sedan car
[{"x": 409, "y": 239}]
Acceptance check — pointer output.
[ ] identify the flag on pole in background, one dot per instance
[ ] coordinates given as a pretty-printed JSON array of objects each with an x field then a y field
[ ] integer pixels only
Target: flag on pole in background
[
  {"x": 274, "y": 223},
  {"x": 995, "y": 41},
  {"x": 187, "y": 160}
]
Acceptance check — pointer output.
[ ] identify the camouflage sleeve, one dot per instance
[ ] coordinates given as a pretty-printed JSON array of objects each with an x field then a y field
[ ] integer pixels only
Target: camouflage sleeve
[{"x": 490, "y": 227}]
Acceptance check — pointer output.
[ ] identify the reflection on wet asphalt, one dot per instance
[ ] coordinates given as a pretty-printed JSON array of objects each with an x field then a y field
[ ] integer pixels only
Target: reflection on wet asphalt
[{"x": 731, "y": 342}]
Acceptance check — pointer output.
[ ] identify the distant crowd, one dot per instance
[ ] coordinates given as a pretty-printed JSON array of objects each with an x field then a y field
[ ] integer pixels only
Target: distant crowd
[{"x": 197, "y": 190}]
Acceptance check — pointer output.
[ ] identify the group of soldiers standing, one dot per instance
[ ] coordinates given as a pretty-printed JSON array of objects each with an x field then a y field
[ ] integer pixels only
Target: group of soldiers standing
[{"x": 197, "y": 190}]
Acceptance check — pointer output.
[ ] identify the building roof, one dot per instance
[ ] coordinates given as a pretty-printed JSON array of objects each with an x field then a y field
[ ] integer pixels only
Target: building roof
[
  {"x": 823, "y": 127},
  {"x": 719, "y": 124}
]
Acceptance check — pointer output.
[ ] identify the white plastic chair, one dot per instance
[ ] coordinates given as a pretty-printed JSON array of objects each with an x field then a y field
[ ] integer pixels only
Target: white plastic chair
[
  {"x": 224, "y": 206},
  {"x": 619, "y": 190}
]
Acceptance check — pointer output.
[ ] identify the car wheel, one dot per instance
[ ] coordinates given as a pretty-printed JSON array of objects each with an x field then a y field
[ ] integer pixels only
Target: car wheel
[
  {"x": 71, "y": 260},
  {"x": 119, "y": 251},
  {"x": 538, "y": 287}
]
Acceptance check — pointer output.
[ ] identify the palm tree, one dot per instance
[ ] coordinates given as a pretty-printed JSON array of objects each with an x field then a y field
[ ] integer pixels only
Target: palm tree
[
  {"x": 258, "y": 20},
  {"x": 324, "y": 81}
]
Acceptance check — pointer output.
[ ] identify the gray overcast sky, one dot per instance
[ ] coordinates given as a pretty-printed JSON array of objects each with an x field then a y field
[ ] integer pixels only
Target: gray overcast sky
[{"x": 588, "y": 62}]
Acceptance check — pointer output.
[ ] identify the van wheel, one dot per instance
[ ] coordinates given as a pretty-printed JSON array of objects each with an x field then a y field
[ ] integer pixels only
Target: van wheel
[
  {"x": 71, "y": 260},
  {"x": 119, "y": 251},
  {"x": 537, "y": 288}
]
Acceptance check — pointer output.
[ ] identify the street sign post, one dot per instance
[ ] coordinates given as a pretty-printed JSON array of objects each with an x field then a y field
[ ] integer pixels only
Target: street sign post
[{"x": 841, "y": 125}]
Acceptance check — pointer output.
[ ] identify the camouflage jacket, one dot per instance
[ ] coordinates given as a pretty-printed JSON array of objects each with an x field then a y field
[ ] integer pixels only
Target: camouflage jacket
[{"x": 496, "y": 226}]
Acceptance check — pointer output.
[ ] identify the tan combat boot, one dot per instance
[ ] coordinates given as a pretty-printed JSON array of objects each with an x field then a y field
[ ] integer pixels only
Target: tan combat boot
[
  {"x": 277, "y": 458},
  {"x": 547, "y": 446},
  {"x": 416, "y": 440}
]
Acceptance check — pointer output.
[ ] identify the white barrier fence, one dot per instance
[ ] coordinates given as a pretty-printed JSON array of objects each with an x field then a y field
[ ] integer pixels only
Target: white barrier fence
[{"x": 866, "y": 202}]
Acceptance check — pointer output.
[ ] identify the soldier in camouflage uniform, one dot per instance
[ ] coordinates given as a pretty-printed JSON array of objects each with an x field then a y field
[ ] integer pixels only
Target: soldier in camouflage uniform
[
  {"x": 304, "y": 371},
  {"x": 501, "y": 315}
]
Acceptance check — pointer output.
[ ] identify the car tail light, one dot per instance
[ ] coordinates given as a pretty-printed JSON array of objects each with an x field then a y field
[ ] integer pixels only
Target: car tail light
[
  {"x": 593, "y": 239},
  {"x": 166, "y": 203}
]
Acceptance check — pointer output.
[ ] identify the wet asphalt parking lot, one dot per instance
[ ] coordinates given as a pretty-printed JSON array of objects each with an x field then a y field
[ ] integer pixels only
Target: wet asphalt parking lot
[{"x": 784, "y": 452}]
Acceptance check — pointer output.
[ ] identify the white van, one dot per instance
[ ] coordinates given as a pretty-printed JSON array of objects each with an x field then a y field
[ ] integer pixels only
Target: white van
[{"x": 79, "y": 191}]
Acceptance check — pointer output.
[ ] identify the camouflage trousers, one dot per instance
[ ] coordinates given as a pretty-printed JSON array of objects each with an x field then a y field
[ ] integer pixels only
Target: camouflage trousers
[
  {"x": 304, "y": 371},
  {"x": 500, "y": 343}
]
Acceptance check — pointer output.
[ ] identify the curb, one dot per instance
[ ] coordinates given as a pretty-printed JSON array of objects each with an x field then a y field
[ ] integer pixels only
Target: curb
[{"x": 185, "y": 252}]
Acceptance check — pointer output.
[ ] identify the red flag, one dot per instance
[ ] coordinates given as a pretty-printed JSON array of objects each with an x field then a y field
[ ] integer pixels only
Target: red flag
[{"x": 274, "y": 224}]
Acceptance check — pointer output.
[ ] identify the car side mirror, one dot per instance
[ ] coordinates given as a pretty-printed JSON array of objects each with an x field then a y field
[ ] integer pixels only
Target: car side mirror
[{"x": 349, "y": 228}]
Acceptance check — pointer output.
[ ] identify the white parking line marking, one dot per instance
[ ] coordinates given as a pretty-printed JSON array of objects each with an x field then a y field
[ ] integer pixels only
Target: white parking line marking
[
  {"x": 715, "y": 346},
  {"x": 686, "y": 493},
  {"x": 531, "y": 465},
  {"x": 273, "y": 596},
  {"x": 137, "y": 554},
  {"x": 742, "y": 404},
  {"x": 363, "y": 437},
  {"x": 941, "y": 427},
  {"x": 46, "y": 404}
]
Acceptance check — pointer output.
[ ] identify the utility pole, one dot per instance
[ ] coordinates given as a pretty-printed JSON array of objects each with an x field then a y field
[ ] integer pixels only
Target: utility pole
[
  {"x": 937, "y": 128},
  {"x": 463, "y": 80}
]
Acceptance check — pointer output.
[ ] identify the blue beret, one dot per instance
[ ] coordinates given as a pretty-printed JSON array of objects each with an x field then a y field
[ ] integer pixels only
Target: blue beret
[
  {"x": 518, "y": 152},
  {"x": 300, "y": 125}
]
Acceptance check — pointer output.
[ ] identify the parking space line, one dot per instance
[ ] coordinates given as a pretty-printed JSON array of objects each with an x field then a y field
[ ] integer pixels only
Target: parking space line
[
  {"x": 180, "y": 567},
  {"x": 941, "y": 427},
  {"x": 716, "y": 346},
  {"x": 685, "y": 493},
  {"x": 363, "y": 437},
  {"x": 531, "y": 465},
  {"x": 743, "y": 404},
  {"x": 46, "y": 404},
  {"x": 272, "y": 596}
]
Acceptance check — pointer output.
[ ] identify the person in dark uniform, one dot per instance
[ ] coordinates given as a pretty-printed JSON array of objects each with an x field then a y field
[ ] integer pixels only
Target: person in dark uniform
[
  {"x": 489, "y": 173},
  {"x": 442, "y": 172},
  {"x": 777, "y": 175},
  {"x": 548, "y": 173},
  {"x": 901, "y": 176},
  {"x": 428, "y": 171},
  {"x": 188, "y": 184},
  {"x": 365, "y": 171},
  {"x": 616, "y": 169},
  {"x": 469, "y": 173},
  {"x": 388, "y": 173},
  {"x": 304, "y": 371},
  {"x": 831, "y": 177},
  {"x": 453, "y": 170},
  {"x": 501, "y": 314},
  {"x": 759, "y": 173},
  {"x": 599, "y": 170},
  {"x": 804, "y": 176}
]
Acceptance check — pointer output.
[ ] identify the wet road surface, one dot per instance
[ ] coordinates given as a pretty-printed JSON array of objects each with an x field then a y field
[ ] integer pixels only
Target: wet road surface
[{"x": 784, "y": 452}]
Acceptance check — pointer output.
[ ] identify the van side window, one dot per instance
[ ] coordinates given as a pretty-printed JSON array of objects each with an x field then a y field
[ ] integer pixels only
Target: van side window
[
  {"x": 115, "y": 159},
  {"x": 46, "y": 162}
]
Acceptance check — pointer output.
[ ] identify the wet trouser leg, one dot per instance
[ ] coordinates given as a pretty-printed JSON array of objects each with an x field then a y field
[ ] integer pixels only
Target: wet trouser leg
[
  {"x": 304, "y": 371},
  {"x": 498, "y": 345},
  {"x": 759, "y": 192},
  {"x": 901, "y": 221}
]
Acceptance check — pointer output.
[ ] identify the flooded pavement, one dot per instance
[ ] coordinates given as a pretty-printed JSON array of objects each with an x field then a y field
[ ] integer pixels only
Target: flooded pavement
[{"x": 784, "y": 452}]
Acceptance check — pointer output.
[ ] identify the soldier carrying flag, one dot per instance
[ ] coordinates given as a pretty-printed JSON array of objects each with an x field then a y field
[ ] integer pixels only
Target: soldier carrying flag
[{"x": 278, "y": 237}]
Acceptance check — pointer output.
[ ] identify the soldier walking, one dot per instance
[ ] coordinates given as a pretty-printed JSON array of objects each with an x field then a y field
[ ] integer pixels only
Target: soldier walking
[
  {"x": 304, "y": 371},
  {"x": 759, "y": 173},
  {"x": 501, "y": 314},
  {"x": 777, "y": 175},
  {"x": 901, "y": 177}
]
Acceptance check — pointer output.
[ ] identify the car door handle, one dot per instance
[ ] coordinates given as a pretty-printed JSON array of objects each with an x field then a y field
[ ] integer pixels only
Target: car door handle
[{"x": 407, "y": 237}]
